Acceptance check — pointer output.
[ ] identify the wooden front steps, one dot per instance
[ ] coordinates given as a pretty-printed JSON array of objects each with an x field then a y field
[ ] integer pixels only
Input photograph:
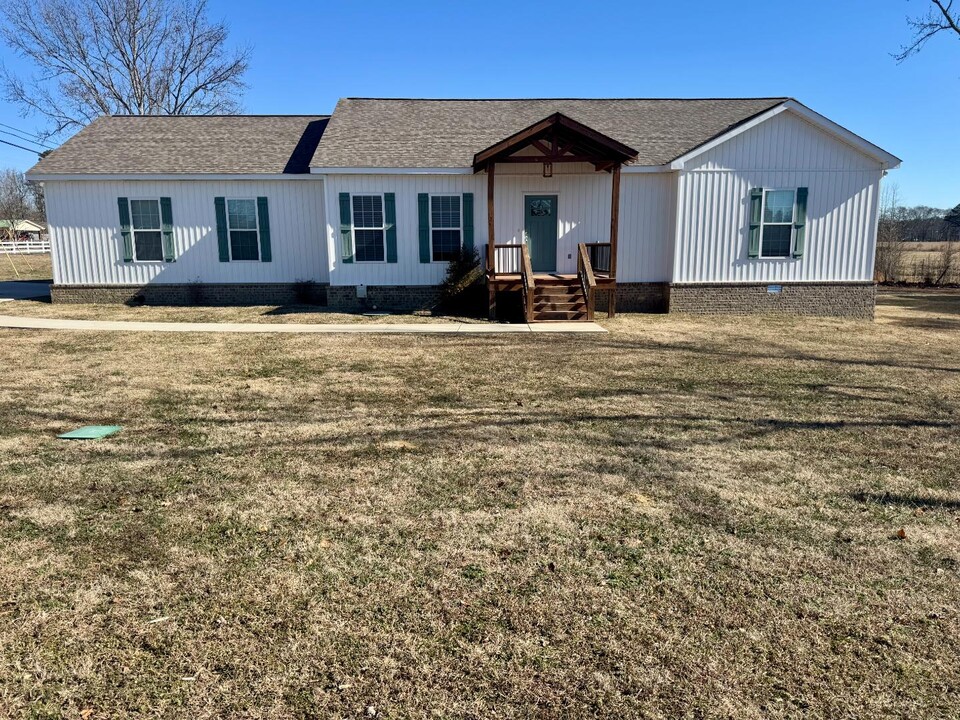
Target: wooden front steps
[{"x": 559, "y": 299}]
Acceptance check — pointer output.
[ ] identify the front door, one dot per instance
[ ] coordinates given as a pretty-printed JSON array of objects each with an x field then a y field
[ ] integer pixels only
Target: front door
[{"x": 540, "y": 231}]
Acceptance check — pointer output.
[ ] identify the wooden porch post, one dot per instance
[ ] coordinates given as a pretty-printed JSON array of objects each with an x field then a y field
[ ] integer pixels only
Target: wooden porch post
[
  {"x": 491, "y": 241},
  {"x": 614, "y": 232}
]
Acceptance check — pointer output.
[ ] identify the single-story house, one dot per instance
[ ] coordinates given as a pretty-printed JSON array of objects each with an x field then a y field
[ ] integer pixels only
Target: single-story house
[{"x": 699, "y": 205}]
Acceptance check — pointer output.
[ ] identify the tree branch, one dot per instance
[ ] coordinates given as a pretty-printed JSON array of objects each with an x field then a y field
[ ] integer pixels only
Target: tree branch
[{"x": 940, "y": 18}]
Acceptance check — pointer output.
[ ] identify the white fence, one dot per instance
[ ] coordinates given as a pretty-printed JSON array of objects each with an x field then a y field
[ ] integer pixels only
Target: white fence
[{"x": 24, "y": 247}]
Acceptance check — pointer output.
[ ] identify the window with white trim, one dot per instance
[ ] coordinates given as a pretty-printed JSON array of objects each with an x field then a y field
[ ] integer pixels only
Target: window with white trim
[
  {"x": 446, "y": 227},
  {"x": 776, "y": 231},
  {"x": 243, "y": 228},
  {"x": 146, "y": 228},
  {"x": 368, "y": 228}
]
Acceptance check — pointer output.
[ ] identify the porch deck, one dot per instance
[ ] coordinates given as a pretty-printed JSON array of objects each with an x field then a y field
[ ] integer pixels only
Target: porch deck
[{"x": 553, "y": 296}]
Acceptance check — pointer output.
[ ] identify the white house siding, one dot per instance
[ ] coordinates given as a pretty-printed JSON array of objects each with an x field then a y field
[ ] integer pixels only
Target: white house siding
[
  {"x": 87, "y": 247},
  {"x": 783, "y": 152},
  {"x": 647, "y": 215},
  {"x": 408, "y": 270}
]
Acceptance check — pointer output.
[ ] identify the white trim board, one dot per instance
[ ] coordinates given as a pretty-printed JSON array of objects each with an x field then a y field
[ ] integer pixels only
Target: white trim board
[
  {"x": 390, "y": 171},
  {"x": 145, "y": 177}
]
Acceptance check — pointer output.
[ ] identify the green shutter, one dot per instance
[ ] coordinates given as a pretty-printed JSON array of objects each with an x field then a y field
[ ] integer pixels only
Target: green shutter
[
  {"x": 124, "y": 207},
  {"x": 263, "y": 214},
  {"x": 346, "y": 229},
  {"x": 800, "y": 223},
  {"x": 166, "y": 223},
  {"x": 468, "y": 222},
  {"x": 423, "y": 211},
  {"x": 223, "y": 241},
  {"x": 390, "y": 218},
  {"x": 756, "y": 212}
]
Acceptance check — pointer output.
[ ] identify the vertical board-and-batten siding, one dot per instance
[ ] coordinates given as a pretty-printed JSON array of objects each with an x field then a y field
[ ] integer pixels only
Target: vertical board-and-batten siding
[
  {"x": 647, "y": 212},
  {"x": 783, "y": 152},
  {"x": 88, "y": 250}
]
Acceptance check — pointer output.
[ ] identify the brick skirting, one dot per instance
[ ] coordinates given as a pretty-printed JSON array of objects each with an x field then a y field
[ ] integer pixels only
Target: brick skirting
[
  {"x": 854, "y": 300},
  {"x": 384, "y": 297},
  {"x": 193, "y": 294},
  {"x": 636, "y": 297}
]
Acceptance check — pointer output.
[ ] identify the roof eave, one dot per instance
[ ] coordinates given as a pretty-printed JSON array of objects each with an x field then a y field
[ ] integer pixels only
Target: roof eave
[{"x": 887, "y": 160}]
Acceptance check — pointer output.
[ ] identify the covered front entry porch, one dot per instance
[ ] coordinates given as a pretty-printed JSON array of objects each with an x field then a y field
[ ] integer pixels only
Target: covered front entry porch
[{"x": 553, "y": 283}]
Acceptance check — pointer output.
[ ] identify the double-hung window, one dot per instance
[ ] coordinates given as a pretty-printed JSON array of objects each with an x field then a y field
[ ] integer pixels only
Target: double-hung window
[
  {"x": 368, "y": 228},
  {"x": 446, "y": 227},
  {"x": 776, "y": 238},
  {"x": 146, "y": 228},
  {"x": 243, "y": 228}
]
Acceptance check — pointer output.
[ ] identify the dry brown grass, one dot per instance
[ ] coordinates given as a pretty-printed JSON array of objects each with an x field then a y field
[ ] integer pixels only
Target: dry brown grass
[
  {"x": 245, "y": 314},
  {"x": 25, "y": 267},
  {"x": 684, "y": 518}
]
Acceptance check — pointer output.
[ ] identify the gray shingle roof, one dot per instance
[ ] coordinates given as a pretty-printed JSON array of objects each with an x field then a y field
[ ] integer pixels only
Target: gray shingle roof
[
  {"x": 395, "y": 133},
  {"x": 216, "y": 144}
]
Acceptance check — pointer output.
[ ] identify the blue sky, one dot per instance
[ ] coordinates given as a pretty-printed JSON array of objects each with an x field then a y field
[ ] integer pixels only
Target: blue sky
[{"x": 833, "y": 56}]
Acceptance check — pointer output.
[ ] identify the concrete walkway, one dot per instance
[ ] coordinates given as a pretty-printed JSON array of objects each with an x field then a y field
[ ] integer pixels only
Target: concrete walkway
[{"x": 10, "y": 321}]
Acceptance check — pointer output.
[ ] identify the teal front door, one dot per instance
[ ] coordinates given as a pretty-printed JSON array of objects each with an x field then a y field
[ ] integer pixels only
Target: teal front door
[{"x": 540, "y": 231}]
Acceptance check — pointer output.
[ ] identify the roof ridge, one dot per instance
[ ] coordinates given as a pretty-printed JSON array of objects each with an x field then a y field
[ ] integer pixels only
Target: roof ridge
[
  {"x": 554, "y": 99},
  {"x": 224, "y": 115}
]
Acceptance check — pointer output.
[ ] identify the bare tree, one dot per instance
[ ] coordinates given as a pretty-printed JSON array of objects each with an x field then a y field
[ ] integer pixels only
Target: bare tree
[
  {"x": 132, "y": 57},
  {"x": 14, "y": 202},
  {"x": 947, "y": 264},
  {"x": 938, "y": 19},
  {"x": 14, "y": 207},
  {"x": 891, "y": 247}
]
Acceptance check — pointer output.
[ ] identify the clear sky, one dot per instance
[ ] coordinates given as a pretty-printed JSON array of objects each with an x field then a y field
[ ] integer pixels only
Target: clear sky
[{"x": 832, "y": 55}]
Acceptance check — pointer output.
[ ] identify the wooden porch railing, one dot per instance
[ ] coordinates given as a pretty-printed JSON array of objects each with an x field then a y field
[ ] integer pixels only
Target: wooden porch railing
[
  {"x": 505, "y": 260},
  {"x": 515, "y": 260},
  {"x": 587, "y": 280},
  {"x": 526, "y": 277},
  {"x": 601, "y": 257}
]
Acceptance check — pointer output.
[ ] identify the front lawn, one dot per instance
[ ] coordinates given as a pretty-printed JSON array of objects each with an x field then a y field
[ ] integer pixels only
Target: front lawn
[
  {"x": 686, "y": 517},
  {"x": 25, "y": 267}
]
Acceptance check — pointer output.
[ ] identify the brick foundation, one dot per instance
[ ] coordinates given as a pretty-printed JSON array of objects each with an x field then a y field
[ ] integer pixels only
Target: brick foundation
[
  {"x": 193, "y": 294},
  {"x": 384, "y": 297},
  {"x": 853, "y": 300},
  {"x": 636, "y": 297}
]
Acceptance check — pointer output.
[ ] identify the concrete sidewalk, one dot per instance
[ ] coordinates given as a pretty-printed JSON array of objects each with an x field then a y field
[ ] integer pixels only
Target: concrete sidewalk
[{"x": 10, "y": 321}]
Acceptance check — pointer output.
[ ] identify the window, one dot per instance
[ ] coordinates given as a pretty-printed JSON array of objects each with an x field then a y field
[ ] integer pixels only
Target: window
[
  {"x": 777, "y": 223},
  {"x": 446, "y": 227},
  {"x": 243, "y": 228},
  {"x": 145, "y": 224},
  {"x": 368, "y": 228}
]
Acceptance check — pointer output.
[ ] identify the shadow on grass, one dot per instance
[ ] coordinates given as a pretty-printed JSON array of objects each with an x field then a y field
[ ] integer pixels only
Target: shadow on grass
[{"x": 912, "y": 501}]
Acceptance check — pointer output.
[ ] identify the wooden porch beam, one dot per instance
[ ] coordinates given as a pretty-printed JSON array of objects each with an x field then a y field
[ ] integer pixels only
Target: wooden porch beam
[
  {"x": 614, "y": 220},
  {"x": 491, "y": 241},
  {"x": 542, "y": 148},
  {"x": 552, "y": 158}
]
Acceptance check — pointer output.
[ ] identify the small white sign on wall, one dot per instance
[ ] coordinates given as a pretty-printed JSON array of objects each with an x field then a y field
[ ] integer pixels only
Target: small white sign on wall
[{"x": 774, "y": 289}]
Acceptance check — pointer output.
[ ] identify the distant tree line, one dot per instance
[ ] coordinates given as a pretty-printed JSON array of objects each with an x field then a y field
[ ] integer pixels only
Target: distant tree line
[
  {"x": 899, "y": 257},
  {"x": 923, "y": 224}
]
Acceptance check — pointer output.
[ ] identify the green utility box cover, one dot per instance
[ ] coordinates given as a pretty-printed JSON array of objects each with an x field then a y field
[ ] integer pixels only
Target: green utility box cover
[{"x": 91, "y": 432}]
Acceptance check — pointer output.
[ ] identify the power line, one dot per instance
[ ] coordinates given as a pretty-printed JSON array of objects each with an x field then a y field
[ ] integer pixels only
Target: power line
[
  {"x": 21, "y": 147},
  {"x": 18, "y": 137},
  {"x": 29, "y": 136}
]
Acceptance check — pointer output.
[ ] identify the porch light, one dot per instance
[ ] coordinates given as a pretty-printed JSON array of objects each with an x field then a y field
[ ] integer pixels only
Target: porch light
[{"x": 548, "y": 169}]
